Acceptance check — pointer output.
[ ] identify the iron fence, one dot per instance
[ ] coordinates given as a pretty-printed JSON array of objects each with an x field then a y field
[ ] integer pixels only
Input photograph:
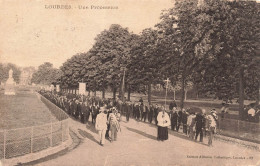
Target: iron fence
[
  {"x": 21, "y": 141},
  {"x": 240, "y": 129},
  {"x": 244, "y": 130}
]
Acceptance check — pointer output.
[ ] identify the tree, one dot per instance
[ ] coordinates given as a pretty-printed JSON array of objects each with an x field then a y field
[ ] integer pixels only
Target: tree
[
  {"x": 184, "y": 43},
  {"x": 143, "y": 68},
  {"x": 73, "y": 71},
  {"x": 220, "y": 34},
  {"x": 236, "y": 38},
  {"x": 243, "y": 37},
  {"x": 252, "y": 80},
  {"x": 110, "y": 53},
  {"x": 4, "y": 72},
  {"x": 46, "y": 74}
]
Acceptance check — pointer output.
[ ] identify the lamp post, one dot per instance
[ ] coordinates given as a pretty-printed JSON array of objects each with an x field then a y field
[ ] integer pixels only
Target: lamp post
[{"x": 149, "y": 73}]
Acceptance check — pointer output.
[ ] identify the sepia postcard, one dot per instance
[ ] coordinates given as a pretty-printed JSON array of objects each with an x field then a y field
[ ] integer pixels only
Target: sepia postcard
[{"x": 129, "y": 82}]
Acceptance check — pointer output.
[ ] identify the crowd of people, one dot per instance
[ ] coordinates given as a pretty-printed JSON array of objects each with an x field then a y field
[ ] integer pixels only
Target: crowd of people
[
  {"x": 251, "y": 112},
  {"x": 106, "y": 115},
  {"x": 194, "y": 122}
]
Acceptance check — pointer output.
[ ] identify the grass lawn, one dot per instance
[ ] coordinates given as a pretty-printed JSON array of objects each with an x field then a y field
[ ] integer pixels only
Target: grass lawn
[
  {"x": 24, "y": 109},
  {"x": 18, "y": 114}
]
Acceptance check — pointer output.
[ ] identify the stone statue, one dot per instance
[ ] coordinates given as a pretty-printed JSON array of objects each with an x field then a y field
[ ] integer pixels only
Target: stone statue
[
  {"x": 10, "y": 73},
  {"x": 9, "y": 85}
]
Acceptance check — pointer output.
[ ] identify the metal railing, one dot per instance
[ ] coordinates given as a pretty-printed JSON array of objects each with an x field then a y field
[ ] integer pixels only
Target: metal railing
[
  {"x": 21, "y": 141},
  {"x": 248, "y": 131}
]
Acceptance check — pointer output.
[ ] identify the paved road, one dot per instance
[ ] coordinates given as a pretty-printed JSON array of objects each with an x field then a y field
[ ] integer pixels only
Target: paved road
[{"x": 137, "y": 145}]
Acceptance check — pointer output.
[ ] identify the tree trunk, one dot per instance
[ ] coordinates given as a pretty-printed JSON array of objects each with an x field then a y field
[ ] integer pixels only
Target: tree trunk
[
  {"x": 241, "y": 92},
  {"x": 95, "y": 93},
  {"x": 120, "y": 90},
  {"x": 182, "y": 91},
  {"x": 114, "y": 93},
  {"x": 103, "y": 93},
  {"x": 149, "y": 92},
  {"x": 128, "y": 93},
  {"x": 174, "y": 95},
  {"x": 185, "y": 95},
  {"x": 123, "y": 92},
  {"x": 258, "y": 95}
]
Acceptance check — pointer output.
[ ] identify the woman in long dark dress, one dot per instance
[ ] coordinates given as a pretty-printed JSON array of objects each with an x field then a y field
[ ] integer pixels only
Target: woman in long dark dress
[{"x": 163, "y": 123}]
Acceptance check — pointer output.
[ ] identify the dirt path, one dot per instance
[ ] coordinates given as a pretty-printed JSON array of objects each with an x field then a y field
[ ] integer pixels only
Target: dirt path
[{"x": 137, "y": 145}]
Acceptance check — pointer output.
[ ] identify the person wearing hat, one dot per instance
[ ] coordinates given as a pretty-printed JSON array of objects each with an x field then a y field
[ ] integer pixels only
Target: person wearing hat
[
  {"x": 145, "y": 109},
  {"x": 156, "y": 111},
  {"x": 174, "y": 118},
  {"x": 101, "y": 125},
  {"x": 191, "y": 125},
  {"x": 137, "y": 107},
  {"x": 184, "y": 121},
  {"x": 114, "y": 124},
  {"x": 251, "y": 114},
  {"x": 95, "y": 110},
  {"x": 200, "y": 124},
  {"x": 211, "y": 125},
  {"x": 108, "y": 125}
]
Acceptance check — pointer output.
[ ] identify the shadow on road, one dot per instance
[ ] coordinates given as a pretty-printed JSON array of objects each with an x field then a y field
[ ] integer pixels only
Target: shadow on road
[
  {"x": 85, "y": 134},
  {"x": 179, "y": 135},
  {"x": 142, "y": 133},
  {"x": 174, "y": 133},
  {"x": 91, "y": 127}
]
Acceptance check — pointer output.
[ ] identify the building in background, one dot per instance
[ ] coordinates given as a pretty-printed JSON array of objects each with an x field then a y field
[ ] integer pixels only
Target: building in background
[{"x": 26, "y": 75}]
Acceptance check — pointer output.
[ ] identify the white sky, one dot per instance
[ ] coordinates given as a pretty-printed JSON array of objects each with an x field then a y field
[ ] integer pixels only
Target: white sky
[{"x": 31, "y": 34}]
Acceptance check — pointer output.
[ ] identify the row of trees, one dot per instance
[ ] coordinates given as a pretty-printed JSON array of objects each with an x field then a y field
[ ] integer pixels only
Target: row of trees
[
  {"x": 46, "y": 74},
  {"x": 212, "y": 44}
]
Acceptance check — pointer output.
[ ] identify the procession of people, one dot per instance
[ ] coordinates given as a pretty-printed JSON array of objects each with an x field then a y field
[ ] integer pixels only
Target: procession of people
[{"x": 106, "y": 116}]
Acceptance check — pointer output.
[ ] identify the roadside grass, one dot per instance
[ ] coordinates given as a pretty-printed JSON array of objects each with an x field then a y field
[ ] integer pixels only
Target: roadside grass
[{"x": 24, "y": 116}]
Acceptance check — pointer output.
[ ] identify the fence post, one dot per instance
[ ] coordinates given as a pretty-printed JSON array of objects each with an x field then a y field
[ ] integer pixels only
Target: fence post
[
  {"x": 61, "y": 131},
  {"x": 250, "y": 127},
  {"x": 219, "y": 125},
  {"x": 51, "y": 135},
  {"x": 68, "y": 130},
  {"x": 32, "y": 140},
  {"x": 4, "y": 142},
  {"x": 238, "y": 127}
]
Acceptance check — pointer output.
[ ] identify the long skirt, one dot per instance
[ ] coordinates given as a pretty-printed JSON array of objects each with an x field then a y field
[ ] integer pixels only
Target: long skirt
[{"x": 162, "y": 133}]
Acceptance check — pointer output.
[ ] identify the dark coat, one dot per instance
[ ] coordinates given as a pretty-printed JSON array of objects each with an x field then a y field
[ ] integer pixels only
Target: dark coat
[
  {"x": 179, "y": 116},
  {"x": 184, "y": 118},
  {"x": 200, "y": 121},
  {"x": 174, "y": 117}
]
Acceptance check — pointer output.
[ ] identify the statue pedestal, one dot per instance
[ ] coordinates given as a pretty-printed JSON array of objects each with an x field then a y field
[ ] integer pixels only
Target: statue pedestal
[
  {"x": 9, "y": 89},
  {"x": 9, "y": 85}
]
